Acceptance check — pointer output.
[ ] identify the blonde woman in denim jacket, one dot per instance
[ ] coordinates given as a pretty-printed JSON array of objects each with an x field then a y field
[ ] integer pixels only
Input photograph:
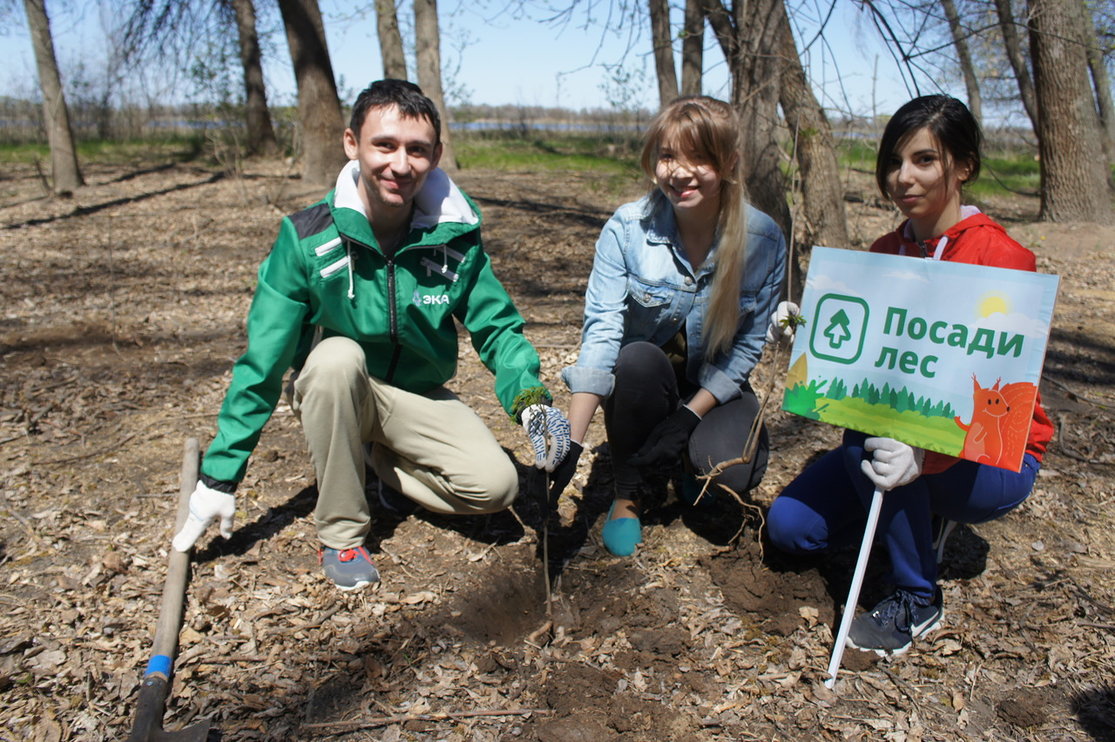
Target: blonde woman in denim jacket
[{"x": 683, "y": 285}]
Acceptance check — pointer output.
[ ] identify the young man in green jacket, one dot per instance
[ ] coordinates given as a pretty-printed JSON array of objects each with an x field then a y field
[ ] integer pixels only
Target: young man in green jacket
[{"x": 360, "y": 295}]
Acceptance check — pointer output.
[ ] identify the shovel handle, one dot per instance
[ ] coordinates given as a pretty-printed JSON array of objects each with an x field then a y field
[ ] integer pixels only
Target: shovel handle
[
  {"x": 857, "y": 583},
  {"x": 178, "y": 570},
  {"x": 156, "y": 679}
]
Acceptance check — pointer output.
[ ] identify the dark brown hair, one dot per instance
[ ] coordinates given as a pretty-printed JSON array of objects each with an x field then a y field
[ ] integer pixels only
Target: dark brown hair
[
  {"x": 407, "y": 96},
  {"x": 949, "y": 121}
]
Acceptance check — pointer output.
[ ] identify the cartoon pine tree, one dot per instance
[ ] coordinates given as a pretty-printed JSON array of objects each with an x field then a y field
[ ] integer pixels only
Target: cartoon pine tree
[{"x": 837, "y": 332}]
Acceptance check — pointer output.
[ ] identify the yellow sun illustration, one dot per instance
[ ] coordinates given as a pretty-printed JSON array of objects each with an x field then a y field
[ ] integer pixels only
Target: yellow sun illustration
[{"x": 993, "y": 303}]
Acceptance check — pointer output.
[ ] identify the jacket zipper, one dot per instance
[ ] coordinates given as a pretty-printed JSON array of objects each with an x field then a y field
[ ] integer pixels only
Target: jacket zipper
[
  {"x": 392, "y": 314},
  {"x": 393, "y": 319}
]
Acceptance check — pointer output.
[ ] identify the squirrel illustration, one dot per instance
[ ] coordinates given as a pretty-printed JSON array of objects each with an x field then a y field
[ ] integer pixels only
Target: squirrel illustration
[{"x": 1000, "y": 422}]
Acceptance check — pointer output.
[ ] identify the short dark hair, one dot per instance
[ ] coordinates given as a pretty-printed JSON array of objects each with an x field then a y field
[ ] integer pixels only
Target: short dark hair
[
  {"x": 406, "y": 96},
  {"x": 949, "y": 121}
]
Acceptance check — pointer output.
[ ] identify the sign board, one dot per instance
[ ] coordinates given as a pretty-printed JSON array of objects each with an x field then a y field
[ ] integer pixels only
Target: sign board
[{"x": 942, "y": 356}]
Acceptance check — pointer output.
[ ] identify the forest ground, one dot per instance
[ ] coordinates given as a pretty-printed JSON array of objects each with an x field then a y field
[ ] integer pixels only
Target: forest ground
[{"x": 122, "y": 312}]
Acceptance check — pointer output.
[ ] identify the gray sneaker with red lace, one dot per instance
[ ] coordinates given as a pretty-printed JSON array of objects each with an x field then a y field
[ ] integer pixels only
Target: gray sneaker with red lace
[{"x": 350, "y": 569}]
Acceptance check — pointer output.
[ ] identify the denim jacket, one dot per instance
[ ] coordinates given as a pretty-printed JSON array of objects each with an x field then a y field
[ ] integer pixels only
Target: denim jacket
[{"x": 642, "y": 287}]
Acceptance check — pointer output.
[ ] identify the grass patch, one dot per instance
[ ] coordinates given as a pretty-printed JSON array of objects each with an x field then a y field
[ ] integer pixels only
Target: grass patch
[
  {"x": 614, "y": 158},
  {"x": 613, "y": 162},
  {"x": 24, "y": 154},
  {"x": 509, "y": 151},
  {"x": 1007, "y": 172},
  {"x": 99, "y": 151},
  {"x": 856, "y": 154}
]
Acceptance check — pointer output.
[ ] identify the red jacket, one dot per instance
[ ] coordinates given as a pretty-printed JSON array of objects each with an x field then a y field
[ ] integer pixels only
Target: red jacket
[{"x": 977, "y": 240}]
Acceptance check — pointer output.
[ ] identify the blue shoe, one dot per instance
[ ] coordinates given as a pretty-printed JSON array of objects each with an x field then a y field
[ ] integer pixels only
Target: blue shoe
[{"x": 621, "y": 535}]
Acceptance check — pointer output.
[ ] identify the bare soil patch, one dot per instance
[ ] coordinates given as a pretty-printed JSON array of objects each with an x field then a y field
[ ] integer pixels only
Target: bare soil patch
[{"x": 122, "y": 313}]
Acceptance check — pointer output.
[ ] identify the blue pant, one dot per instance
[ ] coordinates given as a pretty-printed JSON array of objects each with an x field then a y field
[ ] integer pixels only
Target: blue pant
[{"x": 826, "y": 506}]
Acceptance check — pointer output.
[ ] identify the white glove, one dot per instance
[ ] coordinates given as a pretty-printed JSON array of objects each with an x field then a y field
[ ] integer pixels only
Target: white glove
[
  {"x": 206, "y": 504},
  {"x": 892, "y": 464},
  {"x": 781, "y": 322},
  {"x": 548, "y": 431}
]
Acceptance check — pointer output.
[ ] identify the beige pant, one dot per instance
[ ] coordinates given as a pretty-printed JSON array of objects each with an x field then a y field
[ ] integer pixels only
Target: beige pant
[{"x": 432, "y": 447}]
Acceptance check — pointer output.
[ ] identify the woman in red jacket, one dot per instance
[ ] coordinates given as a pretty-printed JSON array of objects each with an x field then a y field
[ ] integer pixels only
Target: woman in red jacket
[{"x": 929, "y": 150}]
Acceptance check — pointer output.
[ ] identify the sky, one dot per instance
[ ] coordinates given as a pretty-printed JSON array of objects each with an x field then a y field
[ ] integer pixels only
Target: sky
[{"x": 498, "y": 59}]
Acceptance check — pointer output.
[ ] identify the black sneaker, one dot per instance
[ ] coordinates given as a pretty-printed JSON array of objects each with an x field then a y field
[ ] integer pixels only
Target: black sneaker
[
  {"x": 942, "y": 527},
  {"x": 350, "y": 569},
  {"x": 892, "y": 625}
]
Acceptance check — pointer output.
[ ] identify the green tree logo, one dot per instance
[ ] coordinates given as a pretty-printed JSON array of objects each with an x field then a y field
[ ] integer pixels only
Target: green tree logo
[
  {"x": 837, "y": 332},
  {"x": 839, "y": 328}
]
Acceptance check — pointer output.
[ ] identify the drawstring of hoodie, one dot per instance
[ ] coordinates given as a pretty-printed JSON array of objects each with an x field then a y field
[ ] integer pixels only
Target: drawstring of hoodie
[
  {"x": 938, "y": 251},
  {"x": 351, "y": 287},
  {"x": 966, "y": 211}
]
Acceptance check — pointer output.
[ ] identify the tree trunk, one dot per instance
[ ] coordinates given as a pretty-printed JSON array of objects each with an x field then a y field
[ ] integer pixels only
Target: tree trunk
[
  {"x": 428, "y": 44},
  {"x": 1073, "y": 178},
  {"x": 960, "y": 41},
  {"x": 260, "y": 134},
  {"x": 1101, "y": 85},
  {"x": 319, "y": 109},
  {"x": 693, "y": 49},
  {"x": 1013, "y": 46},
  {"x": 65, "y": 171},
  {"x": 748, "y": 36},
  {"x": 821, "y": 187},
  {"x": 390, "y": 40},
  {"x": 663, "y": 43}
]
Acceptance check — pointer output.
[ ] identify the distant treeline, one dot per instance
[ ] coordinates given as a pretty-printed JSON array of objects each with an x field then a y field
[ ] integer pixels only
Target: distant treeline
[{"x": 21, "y": 121}]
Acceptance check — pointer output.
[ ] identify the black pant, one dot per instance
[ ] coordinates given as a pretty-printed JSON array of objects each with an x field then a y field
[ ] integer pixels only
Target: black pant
[{"x": 647, "y": 390}]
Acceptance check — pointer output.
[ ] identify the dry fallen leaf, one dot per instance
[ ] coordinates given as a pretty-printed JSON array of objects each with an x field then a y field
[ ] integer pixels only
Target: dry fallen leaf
[
  {"x": 419, "y": 597},
  {"x": 47, "y": 662}
]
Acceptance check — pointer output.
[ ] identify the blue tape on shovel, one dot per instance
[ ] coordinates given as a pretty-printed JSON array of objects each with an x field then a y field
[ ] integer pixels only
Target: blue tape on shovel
[{"x": 160, "y": 663}]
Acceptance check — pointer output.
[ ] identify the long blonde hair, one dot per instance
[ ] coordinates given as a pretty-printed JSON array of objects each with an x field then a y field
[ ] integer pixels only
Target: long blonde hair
[{"x": 710, "y": 129}]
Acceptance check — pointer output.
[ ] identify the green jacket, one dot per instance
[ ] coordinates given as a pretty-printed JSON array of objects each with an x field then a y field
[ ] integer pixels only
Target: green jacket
[{"x": 327, "y": 272}]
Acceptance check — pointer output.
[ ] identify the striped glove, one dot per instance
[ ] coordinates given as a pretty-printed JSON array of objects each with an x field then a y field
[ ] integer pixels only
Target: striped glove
[{"x": 548, "y": 431}]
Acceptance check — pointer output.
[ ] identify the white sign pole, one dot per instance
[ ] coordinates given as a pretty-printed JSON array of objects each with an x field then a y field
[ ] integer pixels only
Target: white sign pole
[{"x": 857, "y": 583}]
